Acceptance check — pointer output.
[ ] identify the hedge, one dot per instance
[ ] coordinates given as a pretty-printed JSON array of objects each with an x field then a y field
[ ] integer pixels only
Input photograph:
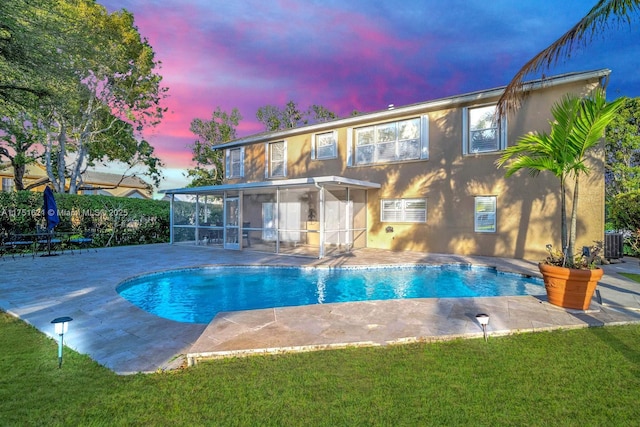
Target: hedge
[{"x": 113, "y": 221}]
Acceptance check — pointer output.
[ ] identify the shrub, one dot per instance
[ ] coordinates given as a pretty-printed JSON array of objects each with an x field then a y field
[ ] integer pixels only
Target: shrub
[
  {"x": 624, "y": 211},
  {"x": 624, "y": 215},
  {"x": 114, "y": 221}
]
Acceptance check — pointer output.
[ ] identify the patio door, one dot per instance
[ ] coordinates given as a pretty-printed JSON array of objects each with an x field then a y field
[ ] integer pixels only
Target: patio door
[{"x": 231, "y": 223}]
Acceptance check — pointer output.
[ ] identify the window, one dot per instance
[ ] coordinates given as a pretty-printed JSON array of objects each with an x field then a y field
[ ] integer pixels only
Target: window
[
  {"x": 403, "y": 210},
  {"x": 276, "y": 153},
  {"x": 90, "y": 190},
  {"x": 7, "y": 185},
  {"x": 324, "y": 145},
  {"x": 485, "y": 214},
  {"x": 234, "y": 162},
  {"x": 482, "y": 133},
  {"x": 391, "y": 142}
]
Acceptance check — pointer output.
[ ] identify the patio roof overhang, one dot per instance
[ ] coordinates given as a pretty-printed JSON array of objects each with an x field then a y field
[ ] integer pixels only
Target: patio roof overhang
[{"x": 328, "y": 182}]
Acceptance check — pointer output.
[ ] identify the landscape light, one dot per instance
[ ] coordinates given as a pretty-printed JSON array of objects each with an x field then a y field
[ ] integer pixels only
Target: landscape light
[
  {"x": 61, "y": 325},
  {"x": 483, "y": 319}
]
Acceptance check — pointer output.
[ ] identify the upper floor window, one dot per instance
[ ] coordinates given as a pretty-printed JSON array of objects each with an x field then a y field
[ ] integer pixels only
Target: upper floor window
[
  {"x": 234, "y": 162},
  {"x": 482, "y": 133},
  {"x": 485, "y": 214},
  {"x": 391, "y": 142},
  {"x": 324, "y": 145},
  {"x": 276, "y": 153},
  {"x": 7, "y": 185},
  {"x": 403, "y": 210}
]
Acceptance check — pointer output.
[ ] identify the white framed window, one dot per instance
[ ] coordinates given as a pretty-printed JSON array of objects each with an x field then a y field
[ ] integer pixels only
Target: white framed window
[
  {"x": 390, "y": 142},
  {"x": 403, "y": 210},
  {"x": 234, "y": 162},
  {"x": 481, "y": 132},
  {"x": 7, "y": 185},
  {"x": 276, "y": 159},
  {"x": 324, "y": 145},
  {"x": 485, "y": 214}
]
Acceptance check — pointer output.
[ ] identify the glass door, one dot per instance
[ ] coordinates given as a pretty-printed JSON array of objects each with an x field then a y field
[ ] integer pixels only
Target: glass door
[{"x": 231, "y": 216}]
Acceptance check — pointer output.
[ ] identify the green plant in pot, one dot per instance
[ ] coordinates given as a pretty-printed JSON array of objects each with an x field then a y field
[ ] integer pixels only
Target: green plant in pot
[{"x": 578, "y": 126}]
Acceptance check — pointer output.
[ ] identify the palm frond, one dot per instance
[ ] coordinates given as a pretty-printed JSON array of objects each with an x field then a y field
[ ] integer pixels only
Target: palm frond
[
  {"x": 594, "y": 22},
  {"x": 578, "y": 125},
  {"x": 591, "y": 121}
]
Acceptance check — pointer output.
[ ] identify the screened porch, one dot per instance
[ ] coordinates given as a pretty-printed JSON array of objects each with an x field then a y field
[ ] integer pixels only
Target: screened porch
[{"x": 312, "y": 217}]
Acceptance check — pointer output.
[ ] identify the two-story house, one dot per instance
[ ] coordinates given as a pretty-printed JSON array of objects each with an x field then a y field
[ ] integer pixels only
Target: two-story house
[{"x": 420, "y": 177}]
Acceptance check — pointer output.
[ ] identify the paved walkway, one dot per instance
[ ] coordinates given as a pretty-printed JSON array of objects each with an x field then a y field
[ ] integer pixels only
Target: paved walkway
[{"x": 126, "y": 339}]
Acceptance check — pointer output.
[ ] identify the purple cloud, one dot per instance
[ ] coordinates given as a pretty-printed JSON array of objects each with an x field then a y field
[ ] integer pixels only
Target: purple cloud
[{"x": 358, "y": 55}]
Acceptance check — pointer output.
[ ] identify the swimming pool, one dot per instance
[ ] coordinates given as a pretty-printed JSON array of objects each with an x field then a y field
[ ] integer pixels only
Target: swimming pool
[{"x": 197, "y": 295}]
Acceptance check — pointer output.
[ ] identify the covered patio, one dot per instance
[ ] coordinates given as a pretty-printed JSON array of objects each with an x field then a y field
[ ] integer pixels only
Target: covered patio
[{"x": 312, "y": 217}]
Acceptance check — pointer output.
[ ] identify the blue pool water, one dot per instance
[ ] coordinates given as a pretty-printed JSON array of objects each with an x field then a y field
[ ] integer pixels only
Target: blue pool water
[{"x": 197, "y": 295}]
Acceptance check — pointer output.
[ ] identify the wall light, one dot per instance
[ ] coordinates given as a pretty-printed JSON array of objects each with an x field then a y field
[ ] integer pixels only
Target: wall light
[{"x": 61, "y": 325}]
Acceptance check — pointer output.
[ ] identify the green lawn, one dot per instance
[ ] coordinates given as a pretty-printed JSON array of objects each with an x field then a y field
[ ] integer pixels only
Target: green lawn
[
  {"x": 632, "y": 276},
  {"x": 586, "y": 377}
]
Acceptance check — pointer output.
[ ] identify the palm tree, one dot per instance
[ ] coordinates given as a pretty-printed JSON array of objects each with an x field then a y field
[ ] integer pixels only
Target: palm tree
[
  {"x": 578, "y": 126},
  {"x": 597, "y": 20}
]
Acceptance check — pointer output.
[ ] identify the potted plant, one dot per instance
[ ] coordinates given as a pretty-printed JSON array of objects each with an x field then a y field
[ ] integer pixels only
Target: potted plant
[
  {"x": 571, "y": 285},
  {"x": 578, "y": 126}
]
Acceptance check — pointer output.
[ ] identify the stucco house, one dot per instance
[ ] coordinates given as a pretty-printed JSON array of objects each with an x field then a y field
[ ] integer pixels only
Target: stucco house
[
  {"x": 419, "y": 177},
  {"x": 103, "y": 183}
]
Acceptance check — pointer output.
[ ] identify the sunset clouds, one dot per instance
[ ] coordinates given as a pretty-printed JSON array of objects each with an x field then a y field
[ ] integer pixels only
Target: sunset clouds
[{"x": 351, "y": 55}]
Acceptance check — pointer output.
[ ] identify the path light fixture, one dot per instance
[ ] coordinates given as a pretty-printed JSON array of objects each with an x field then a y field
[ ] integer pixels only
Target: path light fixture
[
  {"x": 61, "y": 325},
  {"x": 483, "y": 319}
]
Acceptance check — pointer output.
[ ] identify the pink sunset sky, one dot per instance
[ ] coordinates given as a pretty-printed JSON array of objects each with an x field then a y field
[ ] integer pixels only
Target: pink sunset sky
[{"x": 350, "y": 55}]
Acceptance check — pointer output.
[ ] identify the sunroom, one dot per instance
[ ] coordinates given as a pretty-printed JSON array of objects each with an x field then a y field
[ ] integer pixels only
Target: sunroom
[{"x": 312, "y": 217}]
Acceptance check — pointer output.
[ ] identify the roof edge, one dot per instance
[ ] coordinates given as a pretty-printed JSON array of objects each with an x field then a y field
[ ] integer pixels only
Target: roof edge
[
  {"x": 450, "y": 101},
  {"x": 318, "y": 180}
]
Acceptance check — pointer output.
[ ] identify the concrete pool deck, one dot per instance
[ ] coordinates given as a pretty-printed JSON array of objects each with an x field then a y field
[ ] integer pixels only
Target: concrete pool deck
[{"x": 127, "y": 339}]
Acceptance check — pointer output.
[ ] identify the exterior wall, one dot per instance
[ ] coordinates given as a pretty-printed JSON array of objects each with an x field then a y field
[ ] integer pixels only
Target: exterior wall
[
  {"x": 528, "y": 208},
  {"x": 36, "y": 173},
  {"x": 32, "y": 175}
]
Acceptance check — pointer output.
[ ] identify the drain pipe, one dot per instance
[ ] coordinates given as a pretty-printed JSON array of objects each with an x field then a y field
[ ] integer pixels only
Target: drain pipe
[{"x": 320, "y": 218}]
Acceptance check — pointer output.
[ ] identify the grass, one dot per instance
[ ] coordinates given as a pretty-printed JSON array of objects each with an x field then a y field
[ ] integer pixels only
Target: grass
[
  {"x": 585, "y": 377},
  {"x": 633, "y": 276}
]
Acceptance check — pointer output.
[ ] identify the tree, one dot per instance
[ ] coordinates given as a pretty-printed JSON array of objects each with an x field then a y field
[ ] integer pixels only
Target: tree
[
  {"x": 291, "y": 116},
  {"x": 269, "y": 116},
  {"x": 209, "y": 161},
  {"x": 29, "y": 34},
  {"x": 276, "y": 119},
  {"x": 21, "y": 135},
  {"x": 98, "y": 117},
  {"x": 578, "y": 126},
  {"x": 624, "y": 211},
  {"x": 623, "y": 149},
  {"x": 320, "y": 114},
  {"x": 594, "y": 22},
  {"x": 95, "y": 78}
]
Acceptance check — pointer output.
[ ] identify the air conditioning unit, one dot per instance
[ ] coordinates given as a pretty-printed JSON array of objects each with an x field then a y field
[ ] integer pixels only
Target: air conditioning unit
[{"x": 613, "y": 245}]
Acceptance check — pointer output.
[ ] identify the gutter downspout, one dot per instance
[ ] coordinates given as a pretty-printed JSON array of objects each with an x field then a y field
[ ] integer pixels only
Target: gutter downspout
[
  {"x": 277, "y": 219},
  {"x": 171, "y": 221},
  {"x": 320, "y": 218}
]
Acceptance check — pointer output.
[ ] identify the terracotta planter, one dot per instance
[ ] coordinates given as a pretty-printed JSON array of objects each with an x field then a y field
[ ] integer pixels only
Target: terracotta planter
[{"x": 570, "y": 287}]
